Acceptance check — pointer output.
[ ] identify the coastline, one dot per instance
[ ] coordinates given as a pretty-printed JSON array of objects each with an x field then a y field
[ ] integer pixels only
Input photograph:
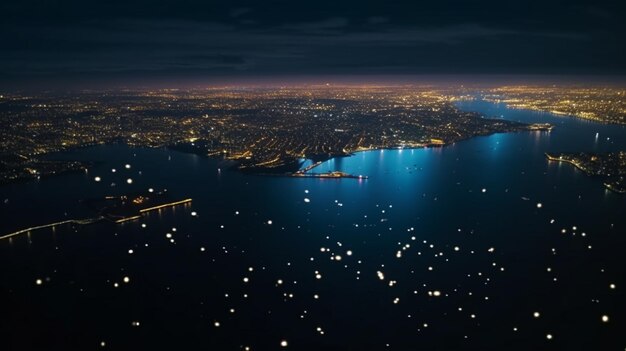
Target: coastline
[
  {"x": 289, "y": 167},
  {"x": 607, "y": 185},
  {"x": 559, "y": 114},
  {"x": 294, "y": 165}
]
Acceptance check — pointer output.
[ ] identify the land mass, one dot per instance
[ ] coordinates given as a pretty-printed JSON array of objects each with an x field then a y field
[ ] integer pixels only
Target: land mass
[
  {"x": 610, "y": 167},
  {"x": 599, "y": 104},
  {"x": 259, "y": 130},
  {"x": 17, "y": 167}
]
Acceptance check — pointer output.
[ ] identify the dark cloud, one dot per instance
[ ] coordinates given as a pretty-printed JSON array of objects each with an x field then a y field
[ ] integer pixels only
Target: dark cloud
[
  {"x": 239, "y": 11},
  {"x": 66, "y": 38}
]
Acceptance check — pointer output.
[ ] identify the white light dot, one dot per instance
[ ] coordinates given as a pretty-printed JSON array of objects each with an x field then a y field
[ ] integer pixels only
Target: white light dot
[
  {"x": 127, "y": 166},
  {"x": 129, "y": 181},
  {"x": 539, "y": 205},
  {"x": 605, "y": 318},
  {"x": 536, "y": 314},
  {"x": 130, "y": 252},
  {"x": 97, "y": 179},
  {"x": 307, "y": 200},
  {"x": 126, "y": 279},
  {"x": 194, "y": 213},
  {"x": 284, "y": 343},
  {"x": 549, "y": 336},
  {"x": 216, "y": 324},
  {"x": 269, "y": 222},
  {"x": 38, "y": 281}
]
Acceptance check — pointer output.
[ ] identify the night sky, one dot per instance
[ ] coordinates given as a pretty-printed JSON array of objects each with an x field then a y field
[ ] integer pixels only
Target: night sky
[{"x": 84, "y": 40}]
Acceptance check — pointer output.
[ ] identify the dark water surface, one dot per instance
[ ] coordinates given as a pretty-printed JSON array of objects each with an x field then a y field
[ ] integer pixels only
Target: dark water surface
[{"x": 461, "y": 221}]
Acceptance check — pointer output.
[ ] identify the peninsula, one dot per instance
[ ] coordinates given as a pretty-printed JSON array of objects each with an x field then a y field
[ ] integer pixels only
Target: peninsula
[
  {"x": 260, "y": 130},
  {"x": 610, "y": 167}
]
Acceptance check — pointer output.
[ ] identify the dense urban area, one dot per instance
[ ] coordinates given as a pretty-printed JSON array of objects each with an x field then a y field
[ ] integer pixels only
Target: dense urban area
[
  {"x": 260, "y": 129},
  {"x": 600, "y": 104},
  {"x": 610, "y": 166}
]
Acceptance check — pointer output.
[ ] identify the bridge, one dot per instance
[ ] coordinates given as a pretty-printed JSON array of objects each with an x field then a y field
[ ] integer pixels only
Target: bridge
[
  {"x": 309, "y": 167},
  {"x": 96, "y": 219},
  {"x": 50, "y": 225}
]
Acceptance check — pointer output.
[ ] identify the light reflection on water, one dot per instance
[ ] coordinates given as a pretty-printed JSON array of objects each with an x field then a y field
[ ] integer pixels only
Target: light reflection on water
[{"x": 435, "y": 195}]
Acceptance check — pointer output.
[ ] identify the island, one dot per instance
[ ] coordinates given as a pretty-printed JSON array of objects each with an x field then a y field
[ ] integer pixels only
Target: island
[{"x": 610, "y": 166}]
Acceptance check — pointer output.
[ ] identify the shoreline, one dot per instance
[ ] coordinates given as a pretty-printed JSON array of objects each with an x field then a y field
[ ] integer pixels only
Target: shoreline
[
  {"x": 521, "y": 127},
  {"x": 281, "y": 170},
  {"x": 576, "y": 165},
  {"x": 559, "y": 114}
]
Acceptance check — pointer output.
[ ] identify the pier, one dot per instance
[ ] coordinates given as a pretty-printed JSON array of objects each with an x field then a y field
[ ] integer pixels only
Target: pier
[
  {"x": 333, "y": 175},
  {"x": 304, "y": 173}
]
